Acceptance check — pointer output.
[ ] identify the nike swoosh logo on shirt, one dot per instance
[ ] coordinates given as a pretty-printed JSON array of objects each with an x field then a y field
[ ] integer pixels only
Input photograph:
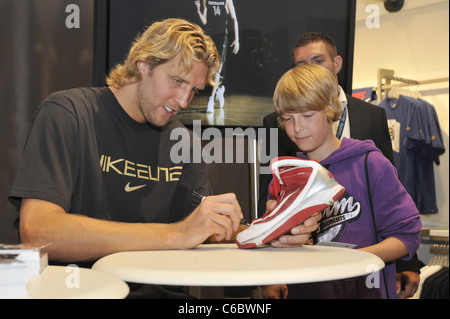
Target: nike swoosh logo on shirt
[{"x": 129, "y": 188}]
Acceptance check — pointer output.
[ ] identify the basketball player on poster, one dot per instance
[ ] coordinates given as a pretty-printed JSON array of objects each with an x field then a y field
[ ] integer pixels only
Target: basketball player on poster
[{"x": 214, "y": 16}]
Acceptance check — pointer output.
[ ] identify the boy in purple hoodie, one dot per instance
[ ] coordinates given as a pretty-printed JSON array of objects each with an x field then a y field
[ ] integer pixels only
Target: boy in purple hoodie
[{"x": 307, "y": 104}]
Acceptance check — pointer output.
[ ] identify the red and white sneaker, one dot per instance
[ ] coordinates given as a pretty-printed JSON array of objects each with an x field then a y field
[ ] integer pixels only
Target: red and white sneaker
[{"x": 302, "y": 188}]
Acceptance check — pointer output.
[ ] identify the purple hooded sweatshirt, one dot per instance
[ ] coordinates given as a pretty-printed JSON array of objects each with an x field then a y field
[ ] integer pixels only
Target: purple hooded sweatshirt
[{"x": 349, "y": 220}]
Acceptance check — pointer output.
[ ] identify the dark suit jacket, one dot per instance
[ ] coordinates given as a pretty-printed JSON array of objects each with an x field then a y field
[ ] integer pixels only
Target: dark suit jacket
[{"x": 367, "y": 121}]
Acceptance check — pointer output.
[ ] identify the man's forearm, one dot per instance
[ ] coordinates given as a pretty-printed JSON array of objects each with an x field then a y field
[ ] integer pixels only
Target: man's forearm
[{"x": 80, "y": 238}]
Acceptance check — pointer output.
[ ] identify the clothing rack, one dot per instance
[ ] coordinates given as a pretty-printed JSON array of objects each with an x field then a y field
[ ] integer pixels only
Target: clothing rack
[
  {"x": 386, "y": 77},
  {"x": 434, "y": 276},
  {"x": 438, "y": 239},
  {"x": 440, "y": 252},
  {"x": 434, "y": 235}
]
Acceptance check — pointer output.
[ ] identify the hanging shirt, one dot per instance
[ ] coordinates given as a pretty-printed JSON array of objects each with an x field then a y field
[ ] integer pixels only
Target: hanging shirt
[
  {"x": 406, "y": 136},
  {"x": 426, "y": 157},
  {"x": 417, "y": 143}
]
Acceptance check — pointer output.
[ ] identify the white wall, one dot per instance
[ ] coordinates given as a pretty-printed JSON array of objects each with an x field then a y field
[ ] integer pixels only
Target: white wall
[{"x": 415, "y": 43}]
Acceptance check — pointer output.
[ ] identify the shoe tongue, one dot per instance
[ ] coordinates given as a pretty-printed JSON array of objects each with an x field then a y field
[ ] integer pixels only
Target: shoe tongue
[
  {"x": 295, "y": 178},
  {"x": 291, "y": 178},
  {"x": 295, "y": 175}
]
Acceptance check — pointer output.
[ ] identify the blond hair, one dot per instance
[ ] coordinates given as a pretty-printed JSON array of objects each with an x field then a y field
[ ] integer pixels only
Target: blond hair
[
  {"x": 163, "y": 41},
  {"x": 307, "y": 88}
]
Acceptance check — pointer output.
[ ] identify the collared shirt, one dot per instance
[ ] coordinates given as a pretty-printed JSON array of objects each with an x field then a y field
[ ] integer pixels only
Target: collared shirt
[{"x": 343, "y": 99}]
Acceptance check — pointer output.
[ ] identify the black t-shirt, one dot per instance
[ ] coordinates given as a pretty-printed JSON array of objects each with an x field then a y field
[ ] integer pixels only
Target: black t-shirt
[{"x": 87, "y": 155}]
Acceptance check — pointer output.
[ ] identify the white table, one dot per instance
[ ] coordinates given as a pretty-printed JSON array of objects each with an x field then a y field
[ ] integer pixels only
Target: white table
[
  {"x": 59, "y": 282},
  {"x": 227, "y": 265}
]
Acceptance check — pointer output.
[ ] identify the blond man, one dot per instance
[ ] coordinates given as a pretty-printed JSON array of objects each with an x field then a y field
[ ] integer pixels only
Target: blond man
[{"x": 96, "y": 175}]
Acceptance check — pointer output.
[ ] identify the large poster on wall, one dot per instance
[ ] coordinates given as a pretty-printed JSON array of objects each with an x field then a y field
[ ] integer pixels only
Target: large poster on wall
[{"x": 255, "y": 39}]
